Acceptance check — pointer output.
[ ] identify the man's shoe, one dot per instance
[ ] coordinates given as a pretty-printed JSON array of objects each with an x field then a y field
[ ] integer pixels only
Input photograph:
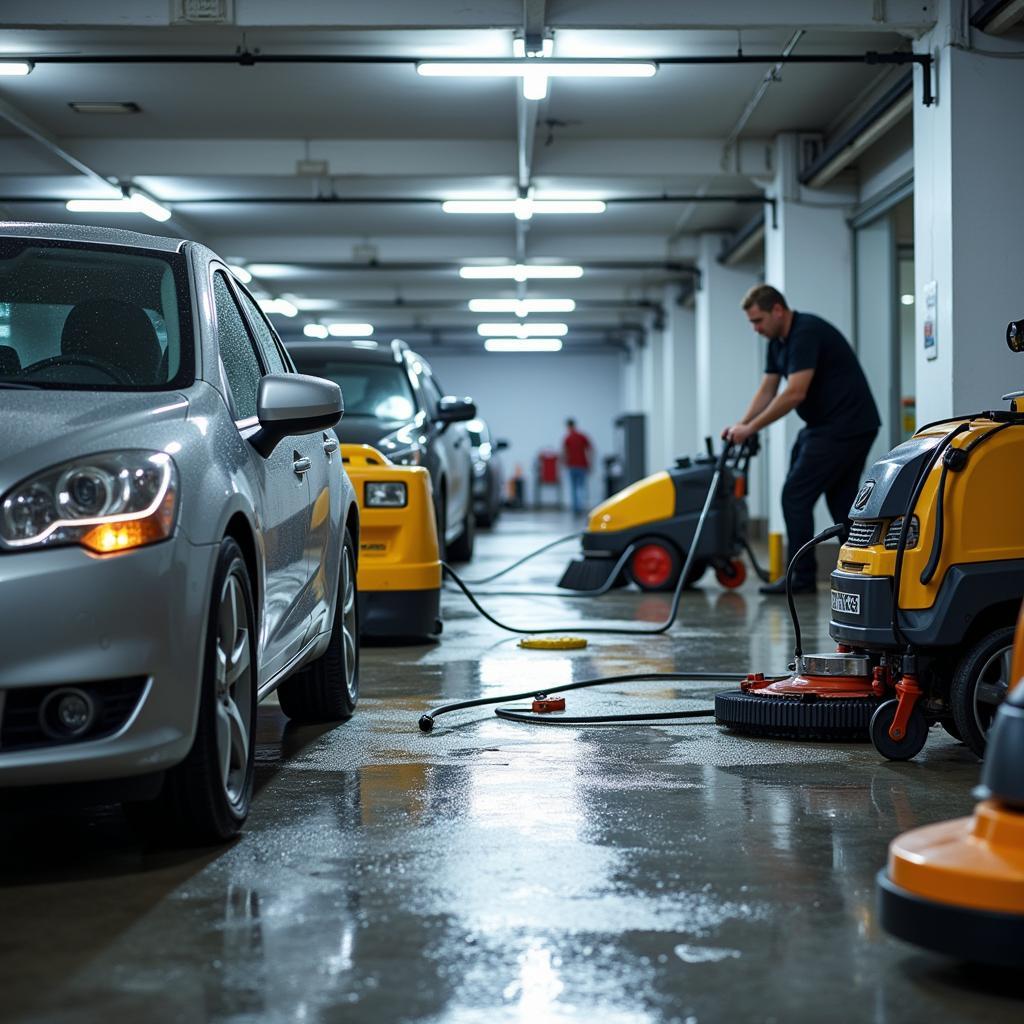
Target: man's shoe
[{"x": 779, "y": 587}]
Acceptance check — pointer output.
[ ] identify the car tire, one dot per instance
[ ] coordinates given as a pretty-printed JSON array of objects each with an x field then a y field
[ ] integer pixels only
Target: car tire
[
  {"x": 206, "y": 798},
  {"x": 327, "y": 690},
  {"x": 980, "y": 681},
  {"x": 461, "y": 549}
]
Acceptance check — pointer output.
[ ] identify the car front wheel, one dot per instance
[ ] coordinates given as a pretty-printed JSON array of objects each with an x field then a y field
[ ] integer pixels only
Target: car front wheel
[{"x": 206, "y": 798}]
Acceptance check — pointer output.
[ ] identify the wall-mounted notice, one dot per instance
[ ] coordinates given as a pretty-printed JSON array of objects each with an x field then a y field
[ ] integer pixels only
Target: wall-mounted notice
[{"x": 931, "y": 320}]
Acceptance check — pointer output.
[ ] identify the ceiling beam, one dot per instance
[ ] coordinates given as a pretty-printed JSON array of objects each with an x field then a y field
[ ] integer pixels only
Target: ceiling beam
[{"x": 533, "y": 25}]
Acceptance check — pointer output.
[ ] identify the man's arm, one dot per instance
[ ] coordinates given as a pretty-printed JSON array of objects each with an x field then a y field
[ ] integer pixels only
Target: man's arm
[
  {"x": 766, "y": 391},
  {"x": 794, "y": 393}
]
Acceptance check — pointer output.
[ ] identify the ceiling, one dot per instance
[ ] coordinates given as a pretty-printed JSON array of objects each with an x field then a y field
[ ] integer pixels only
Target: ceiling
[{"x": 219, "y": 143}]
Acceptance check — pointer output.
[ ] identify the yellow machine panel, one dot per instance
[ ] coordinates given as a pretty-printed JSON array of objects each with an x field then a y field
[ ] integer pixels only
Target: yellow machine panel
[
  {"x": 646, "y": 501},
  {"x": 977, "y": 526},
  {"x": 398, "y": 547}
]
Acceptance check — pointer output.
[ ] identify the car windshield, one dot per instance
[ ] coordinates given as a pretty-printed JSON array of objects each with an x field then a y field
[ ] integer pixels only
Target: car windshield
[
  {"x": 379, "y": 390},
  {"x": 92, "y": 317}
]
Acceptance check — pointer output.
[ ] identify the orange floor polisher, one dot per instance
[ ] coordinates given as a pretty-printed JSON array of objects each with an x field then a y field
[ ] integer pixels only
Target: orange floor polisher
[{"x": 958, "y": 887}]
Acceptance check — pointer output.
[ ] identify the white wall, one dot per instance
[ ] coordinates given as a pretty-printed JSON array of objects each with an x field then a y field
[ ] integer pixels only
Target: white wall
[{"x": 525, "y": 399}]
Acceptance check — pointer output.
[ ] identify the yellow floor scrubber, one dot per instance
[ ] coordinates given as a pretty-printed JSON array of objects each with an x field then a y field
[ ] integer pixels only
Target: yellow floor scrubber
[
  {"x": 399, "y": 574},
  {"x": 958, "y": 887},
  {"x": 657, "y": 518},
  {"x": 923, "y": 598}
]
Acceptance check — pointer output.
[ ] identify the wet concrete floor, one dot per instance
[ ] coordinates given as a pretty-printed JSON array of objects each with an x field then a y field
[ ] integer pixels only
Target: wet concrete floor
[{"x": 496, "y": 872}]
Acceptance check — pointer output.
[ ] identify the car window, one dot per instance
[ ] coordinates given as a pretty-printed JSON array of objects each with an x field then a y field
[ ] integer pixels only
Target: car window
[
  {"x": 97, "y": 318},
  {"x": 241, "y": 364},
  {"x": 378, "y": 390},
  {"x": 268, "y": 342}
]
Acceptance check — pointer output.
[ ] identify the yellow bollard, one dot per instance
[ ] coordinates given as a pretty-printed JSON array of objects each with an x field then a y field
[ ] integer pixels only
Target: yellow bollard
[{"x": 776, "y": 561}]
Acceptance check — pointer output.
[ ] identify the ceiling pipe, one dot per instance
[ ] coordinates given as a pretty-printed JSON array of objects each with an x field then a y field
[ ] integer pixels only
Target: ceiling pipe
[{"x": 250, "y": 58}]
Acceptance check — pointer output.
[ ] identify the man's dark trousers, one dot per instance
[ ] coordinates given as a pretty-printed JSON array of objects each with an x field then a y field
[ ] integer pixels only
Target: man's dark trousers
[{"x": 819, "y": 465}]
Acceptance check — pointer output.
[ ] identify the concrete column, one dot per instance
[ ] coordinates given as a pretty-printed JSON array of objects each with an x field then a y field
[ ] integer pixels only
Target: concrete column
[
  {"x": 968, "y": 151},
  {"x": 679, "y": 382},
  {"x": 808, "y": 257},
  {"x": 653, "y": 393},
  {"x": 729, "y": 356}
]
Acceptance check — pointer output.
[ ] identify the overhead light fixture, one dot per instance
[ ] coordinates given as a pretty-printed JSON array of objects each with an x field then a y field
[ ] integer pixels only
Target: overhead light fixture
[
  {"x": 520, "y": 272},
  {"x": 522, "y": 330},
  {"x": 521, "y": 307},
  {"x": 524, "y": 207},
  {"x": 523, "y": 345},
  {"x": 15, "y": 68},
  {"x": 241, "y": 273},
  {"x": 519, "y": 48},
  {"x": 350, "y": 330},
  {"x": 315, "y": 331},
  {"x": 105, "y": 107},
  {"x": 134, "y": 202},
  {"x": 551, "y": 68},
  {"x": 274, "y": 270},
  {"x": 280, "y": 306},
  {"x": 907, "y": 300}
]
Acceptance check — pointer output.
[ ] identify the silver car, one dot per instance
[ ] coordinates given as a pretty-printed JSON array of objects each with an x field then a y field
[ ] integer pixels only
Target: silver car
[{"x": 178, "y": 537}]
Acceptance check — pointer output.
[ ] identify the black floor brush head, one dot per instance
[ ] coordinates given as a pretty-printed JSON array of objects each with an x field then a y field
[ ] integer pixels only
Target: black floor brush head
[
  {"x": 795, "y": 718},
  {"x": 586, "y": 574}
]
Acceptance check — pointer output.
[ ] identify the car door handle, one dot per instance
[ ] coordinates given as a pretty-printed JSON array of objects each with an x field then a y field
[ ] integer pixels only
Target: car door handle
[
  {"x": 302, "y": 465},
  {"x": 330, "y": 446}
]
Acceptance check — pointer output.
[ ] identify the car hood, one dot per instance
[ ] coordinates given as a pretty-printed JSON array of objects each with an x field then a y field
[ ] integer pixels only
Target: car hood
[
  {"x": 42, "y": 428},
  {"x": 365, "y": 429}
]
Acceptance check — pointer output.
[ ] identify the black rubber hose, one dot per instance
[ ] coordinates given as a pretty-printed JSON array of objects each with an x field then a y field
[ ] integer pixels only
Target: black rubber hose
[
  {"x": 613, "y": 575},
  {"x": 427, "y": 721},
  {"x": 607, "y": 630},
  {"x": 534, "y": 718},
  {"x": 901, "y": 544},
  {"x": 833, "y": 531},
  {"x": 762, "y": 573},
  {"x": 525, "y": 559}
]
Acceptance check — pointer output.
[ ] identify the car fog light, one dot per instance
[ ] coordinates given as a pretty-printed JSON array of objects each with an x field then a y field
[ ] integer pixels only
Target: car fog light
[
  {"x": 386, "y": 494},
  {"x": 67, "y": 713}
]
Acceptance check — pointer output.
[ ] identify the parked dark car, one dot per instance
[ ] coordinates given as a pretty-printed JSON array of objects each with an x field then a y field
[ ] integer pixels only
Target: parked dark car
[
  {"x": 393, "y": 402},
  {"x": 488, "y": 472}
]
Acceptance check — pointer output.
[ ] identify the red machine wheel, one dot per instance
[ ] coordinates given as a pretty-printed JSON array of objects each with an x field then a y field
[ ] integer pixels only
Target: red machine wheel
[
  {"x": 733, "y": 574},
  {"x": 654, "y": 565}
]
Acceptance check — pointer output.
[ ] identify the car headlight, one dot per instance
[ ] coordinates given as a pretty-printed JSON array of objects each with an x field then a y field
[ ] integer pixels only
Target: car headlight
[
  {"x": 385, "y": 494},
  {"x": 106, "y": 503}
]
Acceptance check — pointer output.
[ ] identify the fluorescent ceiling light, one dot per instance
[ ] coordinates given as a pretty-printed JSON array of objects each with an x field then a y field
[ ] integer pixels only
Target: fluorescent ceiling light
[
  {"x": 136, "y": 202},
  {"x": 15, "y": 68},
  {"x": 311, "y": 305},
  {"x": 907, "y": 300},
  {"x": 523, "y": 68},
  {"x": 524, "y": 207},
  {"x": 315, "y": 331},
  {"x": 349, "y": 330},
  {"x": 522, "y": 307},
  {"x": 241, "y": 273},
  {"x": 522, "y": 330},
  {"x": 519, "y": 272},
  {"x": 273, "y": 270},
  {"x": 519, "y": 48},
  {"x": 358, "y": 343},
  {"x": 280, "y": 306},
  {"x": 523, "y": 345}
]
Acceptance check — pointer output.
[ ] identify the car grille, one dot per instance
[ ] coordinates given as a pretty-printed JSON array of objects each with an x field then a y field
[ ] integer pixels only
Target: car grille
[
  {"x": 864, "y": 533},
  {"x": 116, "y": 699},
  {"x": 892, "y": 535}
]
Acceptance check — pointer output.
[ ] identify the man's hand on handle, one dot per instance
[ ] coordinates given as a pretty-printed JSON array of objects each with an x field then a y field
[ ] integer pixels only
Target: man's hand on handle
[{"x": 738, "y": 433}]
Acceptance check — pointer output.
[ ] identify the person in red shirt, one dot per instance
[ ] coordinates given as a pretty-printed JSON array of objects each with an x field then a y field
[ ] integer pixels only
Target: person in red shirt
[{"x": 576, "y": 449}]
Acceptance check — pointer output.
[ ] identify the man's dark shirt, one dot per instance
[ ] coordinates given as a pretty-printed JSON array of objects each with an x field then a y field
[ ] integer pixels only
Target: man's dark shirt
[{"x": 838, "y": 402}]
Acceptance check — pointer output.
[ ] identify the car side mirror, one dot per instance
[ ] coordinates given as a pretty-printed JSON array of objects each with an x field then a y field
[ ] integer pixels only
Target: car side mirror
[
  {"x": 500, "y": 446},
  {"x": 455, "y": 410},
  {"x": 294, "y": 403}
]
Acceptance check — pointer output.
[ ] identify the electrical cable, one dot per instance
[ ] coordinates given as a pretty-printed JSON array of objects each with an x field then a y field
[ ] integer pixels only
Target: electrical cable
[
  {"x": 536, "y": 718},
  {"x": 608, "y": 630},
  {"x": 762, "y": 574},
  {"x": 426, "y": 721},
  {"x": 835, "y": 530}
]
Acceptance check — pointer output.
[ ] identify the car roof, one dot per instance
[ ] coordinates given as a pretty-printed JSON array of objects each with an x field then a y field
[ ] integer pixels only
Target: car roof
[
  {"x": 88, "y": 233},
  {"x": 343, "y": 351}
]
